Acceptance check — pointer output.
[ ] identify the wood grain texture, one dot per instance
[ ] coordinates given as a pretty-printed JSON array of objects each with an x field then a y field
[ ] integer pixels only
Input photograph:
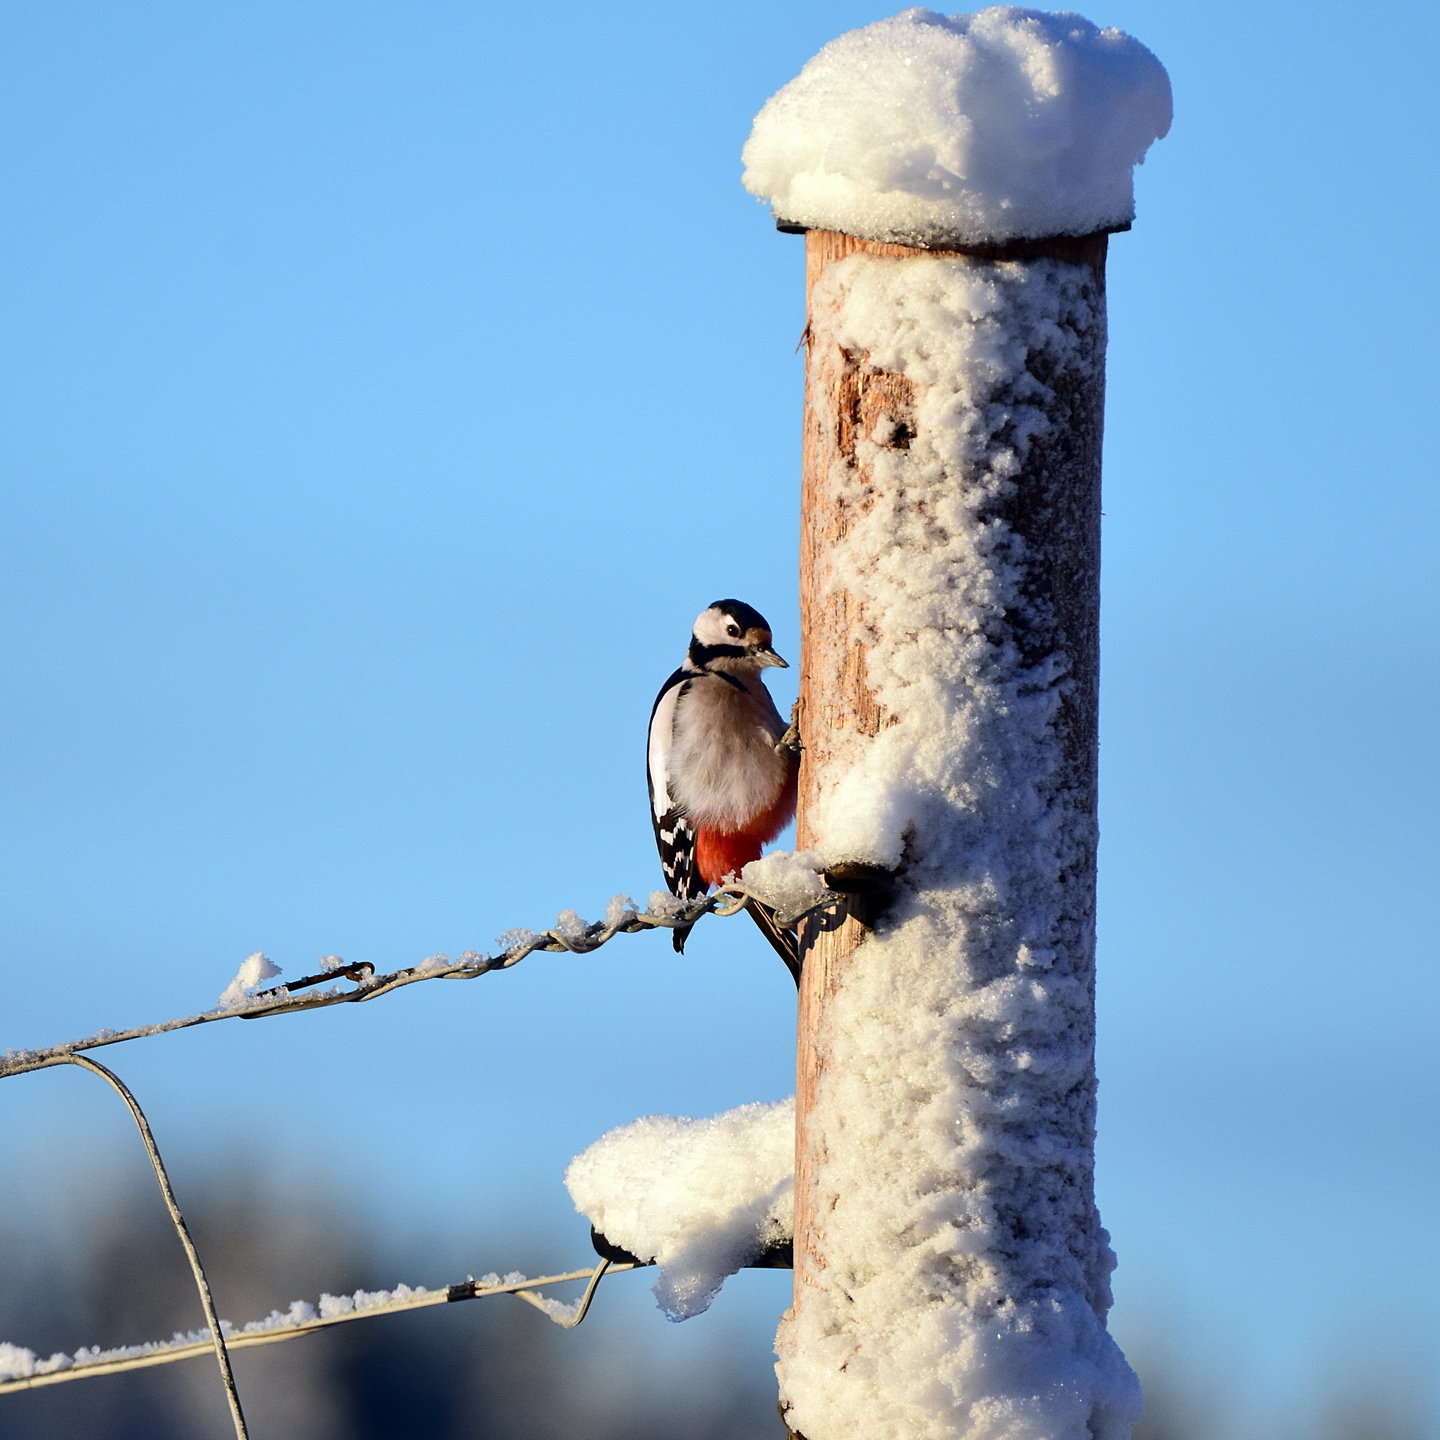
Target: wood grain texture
[{"x": 1055, "y": 507}]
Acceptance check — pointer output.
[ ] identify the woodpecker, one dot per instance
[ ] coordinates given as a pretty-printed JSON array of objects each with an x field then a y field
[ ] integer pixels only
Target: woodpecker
[{"x": 722, "y": 765}]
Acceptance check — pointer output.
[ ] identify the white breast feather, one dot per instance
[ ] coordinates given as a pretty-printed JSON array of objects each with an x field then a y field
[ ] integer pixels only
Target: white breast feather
[{"x": 722, "y": 766}]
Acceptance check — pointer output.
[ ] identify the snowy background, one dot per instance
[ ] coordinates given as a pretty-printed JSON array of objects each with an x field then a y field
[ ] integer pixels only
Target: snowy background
[{"x": 387, "y": 387}]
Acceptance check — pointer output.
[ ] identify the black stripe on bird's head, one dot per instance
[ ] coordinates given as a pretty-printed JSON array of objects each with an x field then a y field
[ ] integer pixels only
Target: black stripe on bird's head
[
  {"x": 731, "y": 635},
  {"x": 737, "y": 612}
]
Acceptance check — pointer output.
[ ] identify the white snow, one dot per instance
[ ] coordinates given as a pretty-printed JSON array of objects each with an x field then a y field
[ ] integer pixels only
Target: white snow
[
  {"x": 18, "y": 1363},
  {"x": 511, "y": 1277},
  {"x": 570, "y": 926},
  {"x": 700, "y": 1197},
  {"x": 254, "y": 969},
  {"x": 334, "y": 1305},
  {"x": 620, "y": 911},
  {"x": 517, "y": 939},
  {"x": 789, "y": 884},
  {"x": 562, "y": 1312},
  {"x": 925, "y": 128},
  {"x": 965, "y": 1290},
  {"x": 665, "y": 906}
]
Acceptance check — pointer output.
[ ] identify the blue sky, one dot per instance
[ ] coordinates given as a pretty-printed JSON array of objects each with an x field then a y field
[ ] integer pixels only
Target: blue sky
[{"x": 386, "y": 388}]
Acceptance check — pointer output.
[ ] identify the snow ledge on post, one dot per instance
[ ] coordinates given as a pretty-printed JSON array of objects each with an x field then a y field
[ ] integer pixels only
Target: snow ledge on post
[
  {"x": 701, "y": 1198},
  {"x": 932, "y": 130}
]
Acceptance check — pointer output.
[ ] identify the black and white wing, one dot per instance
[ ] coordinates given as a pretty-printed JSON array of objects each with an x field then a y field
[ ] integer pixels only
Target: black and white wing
[{"x": 674, "y": 835}]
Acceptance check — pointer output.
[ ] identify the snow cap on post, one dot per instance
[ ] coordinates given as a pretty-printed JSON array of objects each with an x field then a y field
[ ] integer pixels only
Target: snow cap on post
[{"x": 928, "y": 130}]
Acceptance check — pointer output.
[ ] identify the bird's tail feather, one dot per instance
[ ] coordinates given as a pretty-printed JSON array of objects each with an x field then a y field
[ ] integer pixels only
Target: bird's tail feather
[{"x": 782, "y": 939}]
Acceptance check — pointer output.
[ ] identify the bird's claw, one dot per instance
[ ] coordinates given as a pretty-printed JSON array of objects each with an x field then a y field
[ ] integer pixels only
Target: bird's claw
[{"x": 790, "y": 740}]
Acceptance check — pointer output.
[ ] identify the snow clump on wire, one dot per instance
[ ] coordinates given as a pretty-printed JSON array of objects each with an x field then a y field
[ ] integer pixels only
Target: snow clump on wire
[
  {"x": 973, "y": 129},
  {"x": 253, "y": 970},
  {"x": 702, "y": 1198},
  {"x": 789, "y": 884}
]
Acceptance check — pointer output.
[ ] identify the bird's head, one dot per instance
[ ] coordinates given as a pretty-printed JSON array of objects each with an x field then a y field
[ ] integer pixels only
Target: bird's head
[{"x": 733, "y": 636}]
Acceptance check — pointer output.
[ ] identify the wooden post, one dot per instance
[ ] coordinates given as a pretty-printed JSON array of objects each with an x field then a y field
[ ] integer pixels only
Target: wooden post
[{"x": 1053, "y": 507}]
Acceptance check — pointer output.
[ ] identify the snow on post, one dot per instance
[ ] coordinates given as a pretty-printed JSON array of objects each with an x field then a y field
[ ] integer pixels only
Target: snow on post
[
  {"x": 701, "y": 1198},
  {"x": 958, "y": 178}
]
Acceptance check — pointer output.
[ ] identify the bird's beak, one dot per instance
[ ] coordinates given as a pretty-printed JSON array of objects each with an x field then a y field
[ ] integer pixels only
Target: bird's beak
[{"x": 765, "y": 655}]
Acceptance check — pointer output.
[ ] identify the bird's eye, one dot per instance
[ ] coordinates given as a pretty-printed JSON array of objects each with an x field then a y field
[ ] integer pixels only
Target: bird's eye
[{"x": 733, "y": 630}]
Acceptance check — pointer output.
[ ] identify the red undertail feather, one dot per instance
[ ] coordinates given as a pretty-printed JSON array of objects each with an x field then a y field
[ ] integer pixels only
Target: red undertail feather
[{"x": 719, "y": 853}]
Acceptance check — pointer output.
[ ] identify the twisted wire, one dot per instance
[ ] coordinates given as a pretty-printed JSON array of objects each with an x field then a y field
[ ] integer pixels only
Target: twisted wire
[{"x": 728, "y": 900}]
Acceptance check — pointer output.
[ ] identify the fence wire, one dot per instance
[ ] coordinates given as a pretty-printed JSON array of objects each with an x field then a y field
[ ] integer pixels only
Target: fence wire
[
  {"x": 20, "y": 1369},
  {"x": 571, "y": 934},
  {"x": 215, "y": 1335},
  {"x": 303, "y": 1318}
]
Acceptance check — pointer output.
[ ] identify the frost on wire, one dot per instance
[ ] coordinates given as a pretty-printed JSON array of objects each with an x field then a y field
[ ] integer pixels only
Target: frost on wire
[
  {"x": 921, "y": 129},
  {"x": 20, "y": 1363}
]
